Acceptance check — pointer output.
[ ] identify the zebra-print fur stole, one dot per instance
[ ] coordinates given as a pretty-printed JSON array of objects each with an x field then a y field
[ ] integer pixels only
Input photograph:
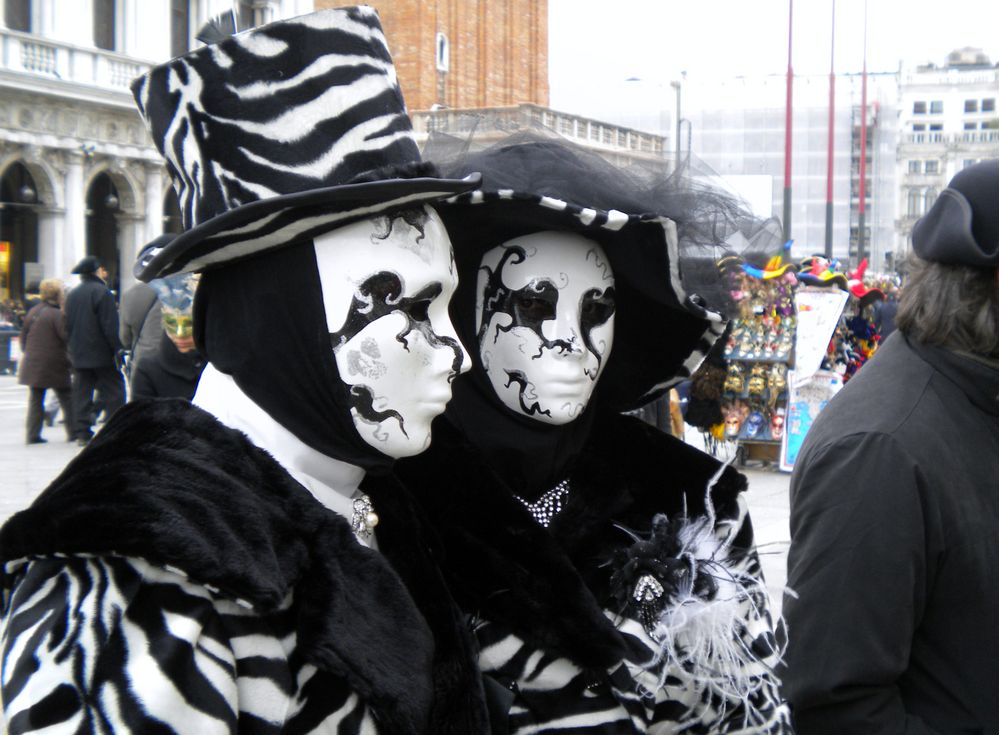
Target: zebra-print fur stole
[
  {"x": 476, "y": 548},
  {"x": 166, "y": 482}
]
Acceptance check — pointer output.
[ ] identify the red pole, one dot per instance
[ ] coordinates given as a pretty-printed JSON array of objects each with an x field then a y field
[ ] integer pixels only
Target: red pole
[
  {"x": 830, "y": 150},
  {"x": 863, "y": 147},
  {"x": 787, "y": 126}
]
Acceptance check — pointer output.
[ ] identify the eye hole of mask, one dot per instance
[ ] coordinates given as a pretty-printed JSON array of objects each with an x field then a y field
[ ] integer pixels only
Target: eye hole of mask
[{"x": 596, "y": 309}]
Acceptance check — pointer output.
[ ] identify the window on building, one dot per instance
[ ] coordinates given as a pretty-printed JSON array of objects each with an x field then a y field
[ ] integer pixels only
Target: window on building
[
  {"x": 971, "y": 105},
  {"x": 443, "y": 53},
  {"x": 928, "y": 199},
  {"x": 180, "y": 27},
  {"x": 915, "y": 203},
  {"x": 989, "y": 105},
  {"x": 17, "y": 15},
  {"x": 104, "y": 24},
  {"x": 915, "y": 167},
  {"x": 918, "y": 108},
  {"x": 918, "y": 127},
  {"x": 931, "y": 167},
  {"x": 247, "y": 15},
  {"x": 936, "y": 127},
  {"x": 971, "y": 126},
  {"x": 936, "y": 107}
]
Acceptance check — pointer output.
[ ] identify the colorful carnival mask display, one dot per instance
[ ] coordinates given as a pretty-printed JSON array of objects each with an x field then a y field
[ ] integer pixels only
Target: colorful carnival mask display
[
  {"x": 755, "y": 425},
  {"x": 386, "y": 284},
  {"x": 735, "y": 378},
  {"x": 545, "y": 320},
  {"x": 777, "y": 423}
]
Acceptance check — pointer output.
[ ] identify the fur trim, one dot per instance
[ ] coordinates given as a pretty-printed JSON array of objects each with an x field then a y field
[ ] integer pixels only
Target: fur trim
[{"x": 166, "y": 482}]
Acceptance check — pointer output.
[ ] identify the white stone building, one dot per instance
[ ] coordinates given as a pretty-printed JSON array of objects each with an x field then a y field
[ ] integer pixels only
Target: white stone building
[
  {"x": 78, "y": 172},
  {"x": 948, "y": 120}
]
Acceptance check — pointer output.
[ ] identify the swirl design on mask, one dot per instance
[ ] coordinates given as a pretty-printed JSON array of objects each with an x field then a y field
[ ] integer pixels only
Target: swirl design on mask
[{"x": 381, "y": 295}]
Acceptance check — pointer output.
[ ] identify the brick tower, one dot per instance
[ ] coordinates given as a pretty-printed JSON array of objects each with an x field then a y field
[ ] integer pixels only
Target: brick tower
[{"x": 466, "y": 53}]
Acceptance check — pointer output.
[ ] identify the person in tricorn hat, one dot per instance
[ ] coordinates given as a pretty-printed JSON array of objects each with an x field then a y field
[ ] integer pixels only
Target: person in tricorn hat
[
  {"x": 894, "y": 509},
  {"x": 92, "y": 328},
  {"x": 603, "y": 573},
  {"x": 211, "y": 567}
]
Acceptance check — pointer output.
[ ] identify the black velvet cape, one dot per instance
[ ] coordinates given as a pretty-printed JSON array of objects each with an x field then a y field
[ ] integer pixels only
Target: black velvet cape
[{"x": 473, "y": 549}]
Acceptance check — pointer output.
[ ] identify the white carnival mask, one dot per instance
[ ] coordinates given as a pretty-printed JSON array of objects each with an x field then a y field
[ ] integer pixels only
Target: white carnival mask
[
  {"x": 545, "y": 322},
  {"x": 386, "y": 286}
]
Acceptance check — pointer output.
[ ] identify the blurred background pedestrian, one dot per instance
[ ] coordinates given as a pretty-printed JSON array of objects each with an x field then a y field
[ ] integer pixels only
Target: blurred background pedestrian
[
  {"x": 172, "y": 369},
  {"x": 45, "y": 360},
  {"x": 139, "y": 324},
  {"x": 92, "y": 329}
]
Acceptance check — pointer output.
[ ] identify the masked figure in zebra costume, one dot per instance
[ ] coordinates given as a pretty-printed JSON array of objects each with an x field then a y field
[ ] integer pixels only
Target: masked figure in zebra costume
[
  {"x": 600, "y": 574},
  {"x": 211, "y": 568}
]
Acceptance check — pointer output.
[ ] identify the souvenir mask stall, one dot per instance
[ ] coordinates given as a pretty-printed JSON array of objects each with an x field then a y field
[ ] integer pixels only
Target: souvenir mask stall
[
  {"x": 794, "y": 321},
  {"x": 759, "y": 351}
]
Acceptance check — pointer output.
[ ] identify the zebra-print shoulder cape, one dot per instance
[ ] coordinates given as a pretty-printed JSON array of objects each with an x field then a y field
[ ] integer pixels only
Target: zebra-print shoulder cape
[
  {"x": 539, "y": 608},
  {"x": 166, "y": 483}
]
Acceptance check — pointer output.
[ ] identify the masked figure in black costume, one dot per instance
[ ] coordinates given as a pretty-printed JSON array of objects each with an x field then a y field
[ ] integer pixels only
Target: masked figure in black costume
[
  {"x": 599, "y": 574},
  {"x": 208, "y": 568}
]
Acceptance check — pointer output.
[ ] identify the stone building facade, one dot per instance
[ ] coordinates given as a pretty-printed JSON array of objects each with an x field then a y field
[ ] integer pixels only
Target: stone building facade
[
  {"x": 79, "y": 174},
  {"x": 949, "y": 120}
]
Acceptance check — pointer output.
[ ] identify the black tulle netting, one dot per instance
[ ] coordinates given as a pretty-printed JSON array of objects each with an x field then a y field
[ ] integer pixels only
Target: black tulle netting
[{"x": 711, "y": 222}]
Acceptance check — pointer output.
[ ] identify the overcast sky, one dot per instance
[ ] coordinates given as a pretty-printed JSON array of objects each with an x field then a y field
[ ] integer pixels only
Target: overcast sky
[{"x": 593, "y": 43}]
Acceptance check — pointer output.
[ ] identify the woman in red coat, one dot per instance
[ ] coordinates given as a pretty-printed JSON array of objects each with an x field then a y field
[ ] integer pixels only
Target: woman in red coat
[{"x": 45, "y": 361}]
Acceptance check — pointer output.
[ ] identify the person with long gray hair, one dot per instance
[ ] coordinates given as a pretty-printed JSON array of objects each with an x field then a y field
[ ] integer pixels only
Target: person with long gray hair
[{"x": 894, "y": 509}]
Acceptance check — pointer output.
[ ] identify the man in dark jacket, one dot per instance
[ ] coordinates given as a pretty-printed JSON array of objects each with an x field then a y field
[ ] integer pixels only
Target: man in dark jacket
[
  {"x": 92, "y": 326},
  {"x": 894, "y": 504}
]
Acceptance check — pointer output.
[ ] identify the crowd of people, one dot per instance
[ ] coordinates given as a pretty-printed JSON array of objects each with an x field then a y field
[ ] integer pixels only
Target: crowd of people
[
  {"x": 377, "y": 472},
  {"x": 77, "y": 343}
]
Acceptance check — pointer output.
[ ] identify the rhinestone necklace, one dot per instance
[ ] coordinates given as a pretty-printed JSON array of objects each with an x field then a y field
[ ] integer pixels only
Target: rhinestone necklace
[
  {"x": 548, "y": 505},
  {"x": 364, "y": 519}
]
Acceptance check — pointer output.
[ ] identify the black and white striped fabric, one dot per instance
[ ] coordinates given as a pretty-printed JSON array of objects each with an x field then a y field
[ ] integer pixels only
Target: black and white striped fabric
[
  {"x": 648, "y": 692},
  {"x": 266, "y": 134},
  {"x": 129, "y": 647}
]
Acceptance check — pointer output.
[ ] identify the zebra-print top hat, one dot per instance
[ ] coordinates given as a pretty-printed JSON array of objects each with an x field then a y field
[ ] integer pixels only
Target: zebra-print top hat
[{"x": 278, "y": 134}]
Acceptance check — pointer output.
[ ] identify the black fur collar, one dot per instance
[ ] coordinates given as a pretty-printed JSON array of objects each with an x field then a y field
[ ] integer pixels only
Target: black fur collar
[
  {"x": 167, "y": 482},
  {"x": 550, "y": 586}
]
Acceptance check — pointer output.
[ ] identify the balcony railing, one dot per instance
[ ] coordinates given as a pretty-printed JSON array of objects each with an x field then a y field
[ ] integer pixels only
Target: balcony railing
[
  {"x": 491, "y": 120},
  {"x": 24, "y": 53},
  {"x": 966, "y": 136}
]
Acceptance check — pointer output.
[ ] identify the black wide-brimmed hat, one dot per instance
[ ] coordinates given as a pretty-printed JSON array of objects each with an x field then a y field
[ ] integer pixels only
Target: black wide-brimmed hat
[
  {"x": 88, "y": 264},
  {"x": 532, "y": 183},
  {"x": 279, "y": 134},
  {"x": 962, "y": 226}
]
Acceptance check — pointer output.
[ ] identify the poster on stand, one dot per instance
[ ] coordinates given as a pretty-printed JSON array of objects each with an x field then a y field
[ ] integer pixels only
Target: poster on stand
[
  {"x": 818, "y": 311},
  {"x": 806, "y": 399}
]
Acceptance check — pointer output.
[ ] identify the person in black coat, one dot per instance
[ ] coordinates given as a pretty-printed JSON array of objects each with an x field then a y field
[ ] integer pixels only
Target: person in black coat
[
  {"x": 172, "y": 370},
  {"x": 45, "y": 362},
  {"x": 894, "y": 508},
  {"x": 92, "y": 327}
]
